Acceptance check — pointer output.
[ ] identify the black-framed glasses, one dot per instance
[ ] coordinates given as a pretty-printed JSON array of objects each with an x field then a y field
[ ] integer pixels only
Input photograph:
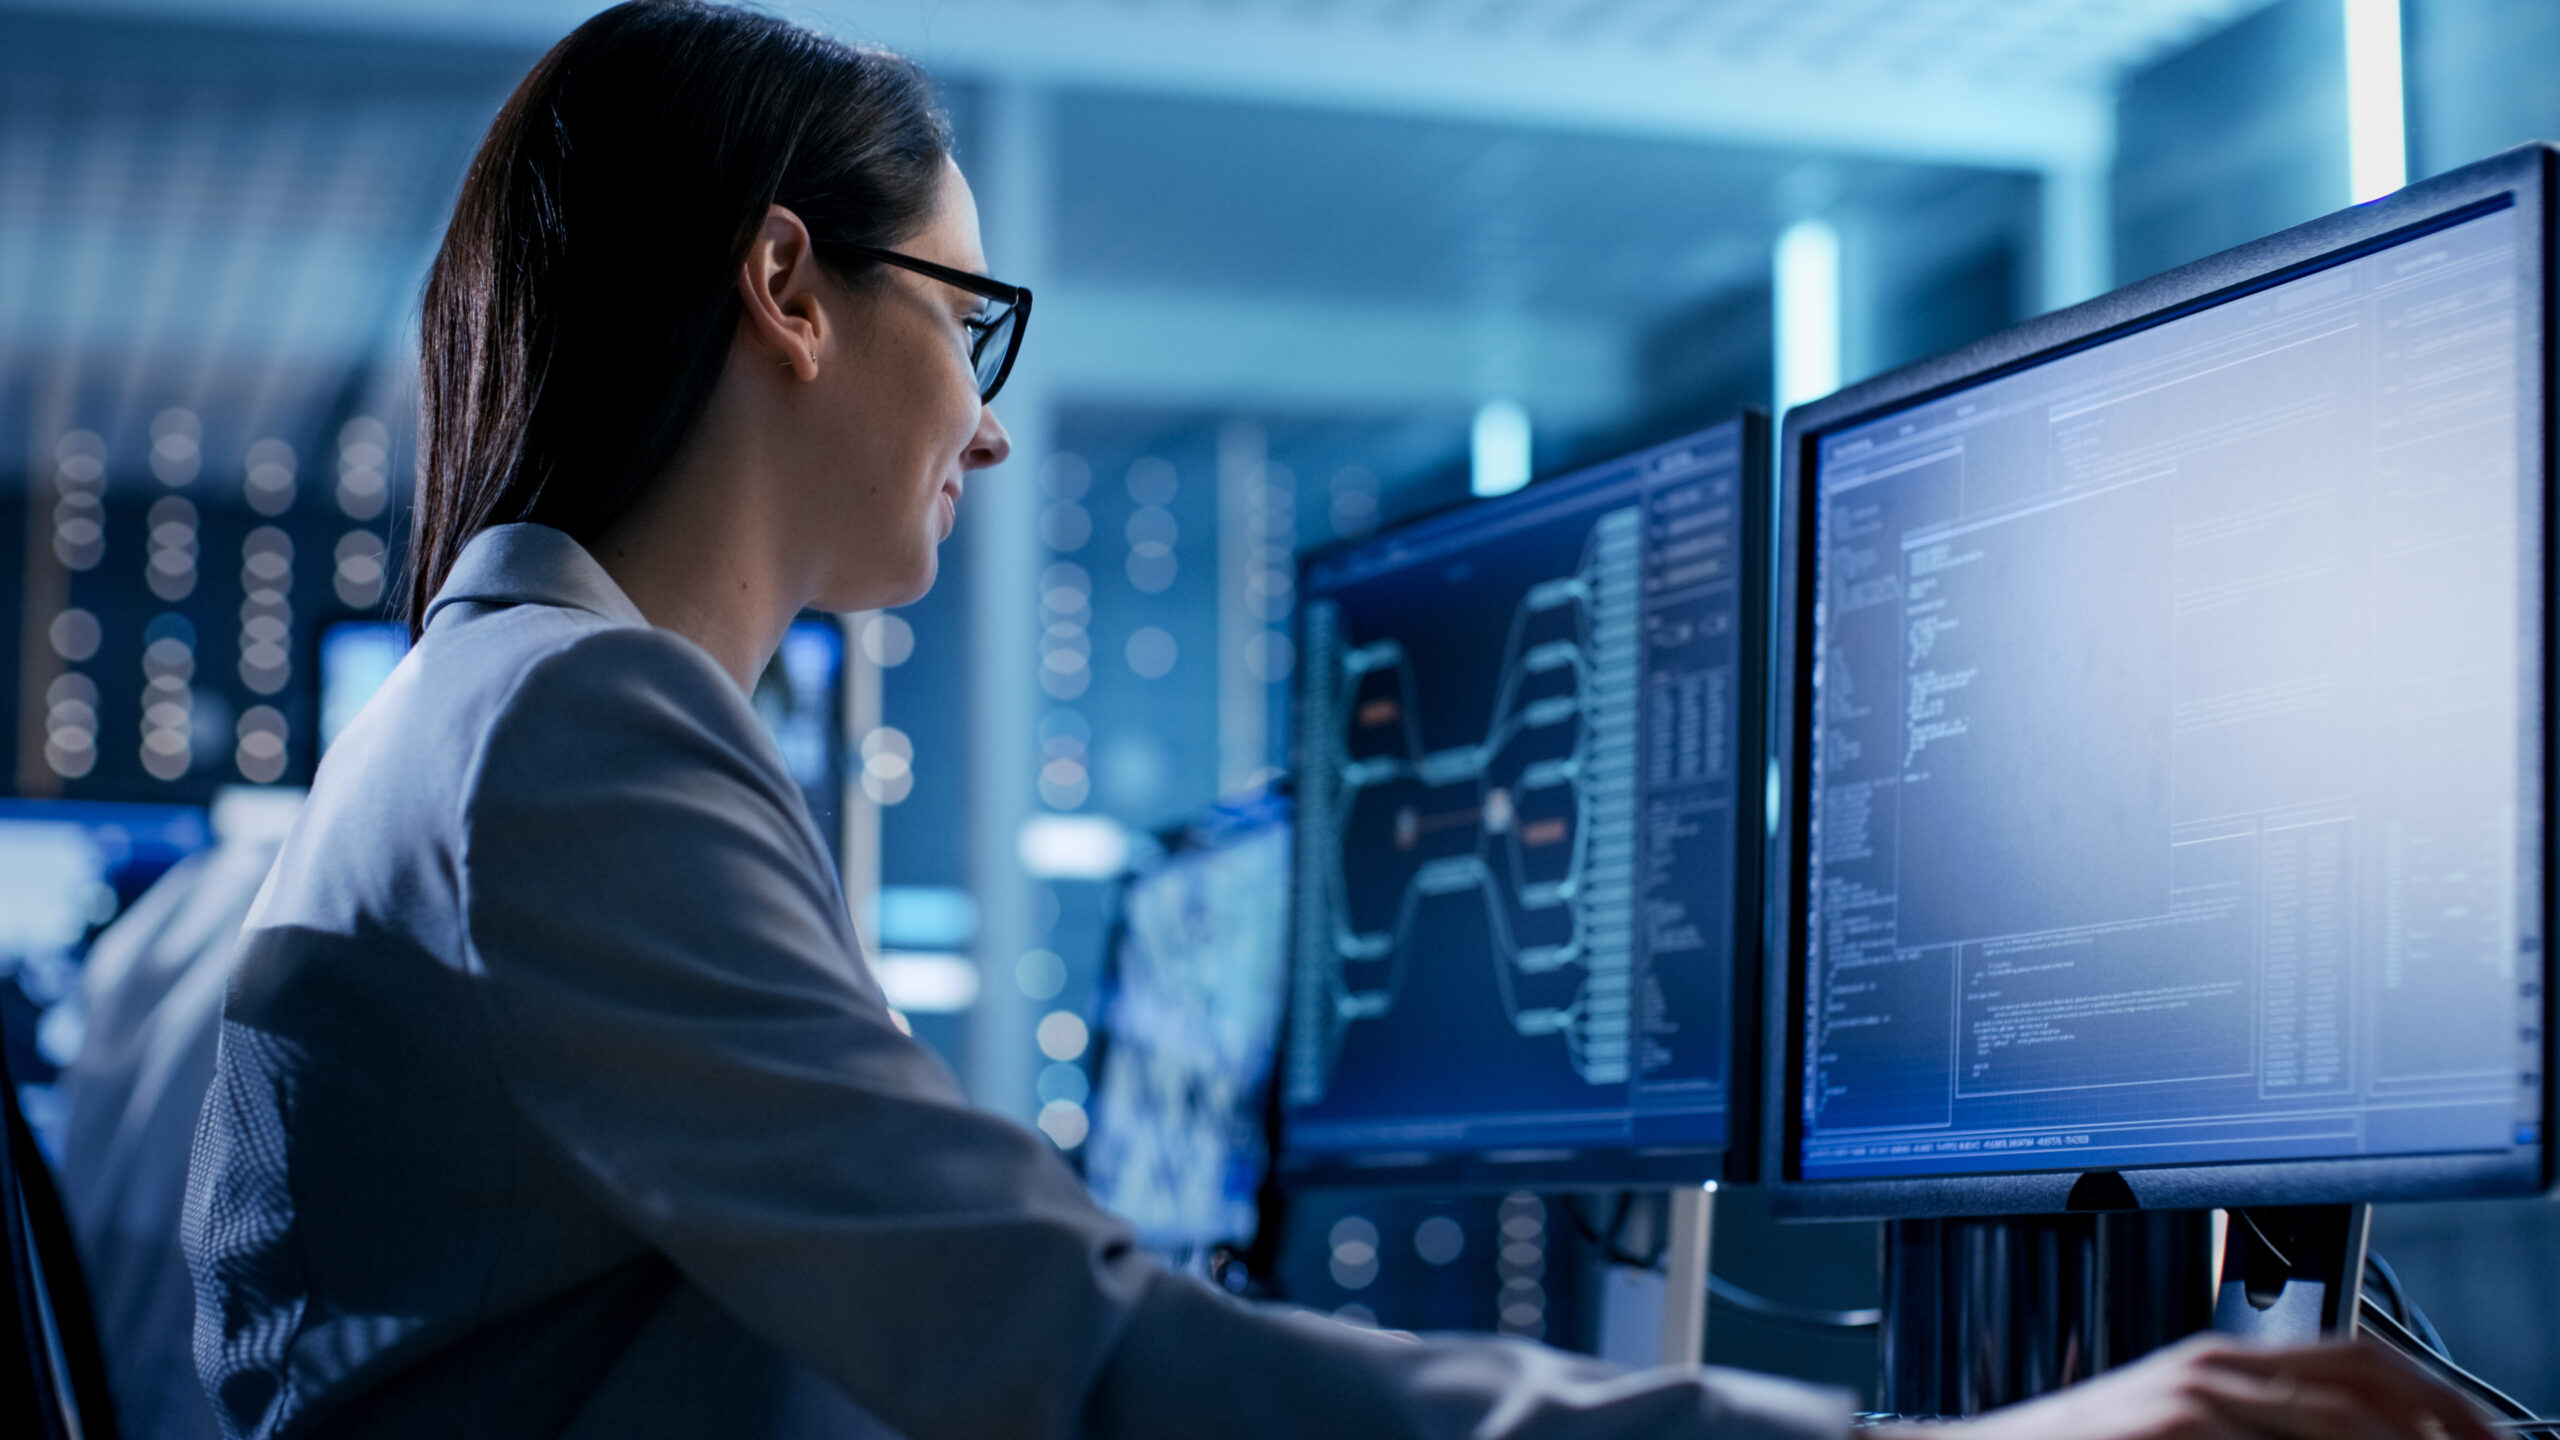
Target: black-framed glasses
[{"x": 995, "y": 335}]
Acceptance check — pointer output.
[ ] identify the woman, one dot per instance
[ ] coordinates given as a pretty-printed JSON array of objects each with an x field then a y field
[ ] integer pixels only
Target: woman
[{"x": 554, "y": 1096}]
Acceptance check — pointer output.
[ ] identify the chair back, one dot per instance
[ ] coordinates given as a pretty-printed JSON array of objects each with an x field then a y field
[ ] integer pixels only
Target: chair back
[{"x": 53, "y": 1378}]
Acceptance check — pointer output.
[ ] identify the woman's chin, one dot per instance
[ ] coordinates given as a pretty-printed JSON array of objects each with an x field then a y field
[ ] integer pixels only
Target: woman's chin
[
  {"x": 918, "y": 581},
  {"x": 879, "y": 591}
]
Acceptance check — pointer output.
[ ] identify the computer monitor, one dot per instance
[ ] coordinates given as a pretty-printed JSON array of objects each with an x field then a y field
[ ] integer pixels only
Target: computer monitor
[
  {"x": 2163, "y": 704},
  {"x": 801, "y": 700},
  {"x": 67, "y": 868},
  {"x": 1188, "y": 1019},
  {"x": 1529, "y": 811},
  {"x": 356, "y": 656}
]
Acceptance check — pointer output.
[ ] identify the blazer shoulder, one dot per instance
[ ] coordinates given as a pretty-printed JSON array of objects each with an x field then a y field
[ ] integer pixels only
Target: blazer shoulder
[{"x": 619, "y": 701}]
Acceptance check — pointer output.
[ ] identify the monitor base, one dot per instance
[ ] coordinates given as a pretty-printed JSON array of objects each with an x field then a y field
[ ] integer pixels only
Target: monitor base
[{"x": 2292, "y": 1274}]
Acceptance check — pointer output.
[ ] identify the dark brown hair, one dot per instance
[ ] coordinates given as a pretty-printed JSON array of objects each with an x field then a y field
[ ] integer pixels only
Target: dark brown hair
[{"x": 583, "y": 303}]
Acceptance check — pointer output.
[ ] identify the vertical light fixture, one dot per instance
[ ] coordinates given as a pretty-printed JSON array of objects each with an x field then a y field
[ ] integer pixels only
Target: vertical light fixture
[
  {"x": 2377, "y": 127},
  {"x": 1808, "y": 303},
  {"x": 1499, "y": 449}
]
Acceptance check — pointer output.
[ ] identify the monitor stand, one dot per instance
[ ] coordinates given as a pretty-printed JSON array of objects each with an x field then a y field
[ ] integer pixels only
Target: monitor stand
[
  {"x": 1649, "y": 1319},
  {"x": 1980, "y": 1313},
  {"x": 1984, "y": 1313},
  {"x": 1684, "y": 1275},
  {"x": 2292, "y": 1274}
]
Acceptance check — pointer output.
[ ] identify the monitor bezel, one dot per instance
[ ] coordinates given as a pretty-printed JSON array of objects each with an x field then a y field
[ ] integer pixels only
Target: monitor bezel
[
  {"x": 1613, "y": 1167},
  {"x": 2522, "y": 179}
]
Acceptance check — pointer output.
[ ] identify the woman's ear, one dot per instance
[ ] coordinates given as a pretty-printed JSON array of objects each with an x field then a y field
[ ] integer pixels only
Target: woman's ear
[{"x": 778, "y": 287}]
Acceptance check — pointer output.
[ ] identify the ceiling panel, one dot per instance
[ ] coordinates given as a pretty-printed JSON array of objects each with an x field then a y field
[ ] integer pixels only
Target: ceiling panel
[
  {"x": 2002, "y": 43},
  {"x": 2004, "y": 82},
  {"x": 230, "y": 224},
  {"x": 1332, "y": 207}
]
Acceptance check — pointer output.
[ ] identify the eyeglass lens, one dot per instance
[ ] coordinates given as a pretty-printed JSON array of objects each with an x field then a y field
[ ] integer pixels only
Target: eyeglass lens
[{"x": 994, "y": 343}]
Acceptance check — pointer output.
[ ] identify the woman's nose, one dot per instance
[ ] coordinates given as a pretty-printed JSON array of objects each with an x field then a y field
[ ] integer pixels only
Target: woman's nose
[{"x": 990, "y": 445}]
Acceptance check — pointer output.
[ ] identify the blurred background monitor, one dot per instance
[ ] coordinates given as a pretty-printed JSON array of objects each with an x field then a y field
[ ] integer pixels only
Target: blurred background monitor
[
  {"x": 2169, "y": 715},
  {"x": 67, "y": 869},
  {"x": 1526, "y": 894},
  {"x": 801, "y": 699},
  {"x": 1189, "y": 1016},
  {"x": 356, "y": 656}
]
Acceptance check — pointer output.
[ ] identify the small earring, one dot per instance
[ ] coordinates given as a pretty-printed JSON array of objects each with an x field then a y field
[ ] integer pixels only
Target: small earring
[{"x": 785, "y": 364}]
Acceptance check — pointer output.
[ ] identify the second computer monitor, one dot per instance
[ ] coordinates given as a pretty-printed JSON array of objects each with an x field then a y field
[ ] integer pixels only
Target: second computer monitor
[
  {"x": 2168, "y": 730},
  {"x": 1527, "y": 734},
  {"x": 1188, "y": 1017}
]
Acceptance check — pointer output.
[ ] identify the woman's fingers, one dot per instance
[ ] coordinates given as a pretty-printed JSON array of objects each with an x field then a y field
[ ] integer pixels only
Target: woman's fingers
[
  {"x": 2215, "y": 1388},
  {"x": 2285, "y": 1409},
  {"x": 2374, "y": 1378}
]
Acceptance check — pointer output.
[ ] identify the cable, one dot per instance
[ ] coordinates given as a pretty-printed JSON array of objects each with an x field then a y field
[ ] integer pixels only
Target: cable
[
  {"x": 2404, "y": 1309},
  {"x": 1784, "y": 1313},
  {"x": 1719, "y": 1289},
  {"x": 2415, "y": 1336},
  {"x": 2373, "y": 1320},
  {"x": 2283, "y": 1261},
  {"x": 1607, "y": 1243}
]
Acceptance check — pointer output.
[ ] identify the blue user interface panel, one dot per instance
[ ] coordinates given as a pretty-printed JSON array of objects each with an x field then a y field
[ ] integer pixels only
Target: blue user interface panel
[
  {"x": 356, "y": 659},
  {"x": 2172, "y": 796},
  {"x": 68, "y": 868},
  {"x": 1189, "y": 1021},
  {"x": 1519, "y": 737}
]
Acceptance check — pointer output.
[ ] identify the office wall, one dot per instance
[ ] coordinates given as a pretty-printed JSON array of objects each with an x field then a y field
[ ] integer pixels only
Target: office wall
[
  {"x": 2481, "y": 78},
  {"x": 2232, "y": 138},
  {"x": 2242, "y": 133}
]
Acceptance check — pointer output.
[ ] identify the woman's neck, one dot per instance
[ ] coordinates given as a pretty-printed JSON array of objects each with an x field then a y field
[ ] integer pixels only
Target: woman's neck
[{"x": 693, "y": 556}]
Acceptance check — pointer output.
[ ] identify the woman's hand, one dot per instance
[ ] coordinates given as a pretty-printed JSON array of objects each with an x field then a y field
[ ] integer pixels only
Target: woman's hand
[{"x": 2214, "y": 1388}]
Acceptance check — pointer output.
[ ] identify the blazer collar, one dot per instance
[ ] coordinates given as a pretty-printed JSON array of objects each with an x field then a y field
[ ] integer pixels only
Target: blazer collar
[{"x": 528, "y": 564}]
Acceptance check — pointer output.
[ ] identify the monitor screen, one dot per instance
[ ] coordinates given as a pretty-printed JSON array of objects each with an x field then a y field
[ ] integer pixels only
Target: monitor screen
[
  {"x": 1189, "y": 1017},
  {"x": 1521, "y": 738},
  {"x": 67, "y": 869},
  {"x": 356, "y": 656},
  {"x": 801, "y": 699},
  {"x": 2173, "y": 702}
]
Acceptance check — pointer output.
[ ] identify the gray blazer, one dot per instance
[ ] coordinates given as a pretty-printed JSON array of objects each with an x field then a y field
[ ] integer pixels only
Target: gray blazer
[{"x": 555, "y": 1099}]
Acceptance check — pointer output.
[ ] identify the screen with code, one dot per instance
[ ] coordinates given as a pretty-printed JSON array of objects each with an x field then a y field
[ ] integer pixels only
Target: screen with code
[{"x": 2168, "y": 741}]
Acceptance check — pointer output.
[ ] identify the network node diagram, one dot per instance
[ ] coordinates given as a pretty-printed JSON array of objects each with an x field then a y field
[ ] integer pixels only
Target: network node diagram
[
  {"x": 1514, "y": 879},
  {"x": 1532, "y": 819}
]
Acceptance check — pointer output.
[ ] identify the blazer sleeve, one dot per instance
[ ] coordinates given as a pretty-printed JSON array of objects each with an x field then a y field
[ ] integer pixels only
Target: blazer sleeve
[{"x": 679, "y": 1006}]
